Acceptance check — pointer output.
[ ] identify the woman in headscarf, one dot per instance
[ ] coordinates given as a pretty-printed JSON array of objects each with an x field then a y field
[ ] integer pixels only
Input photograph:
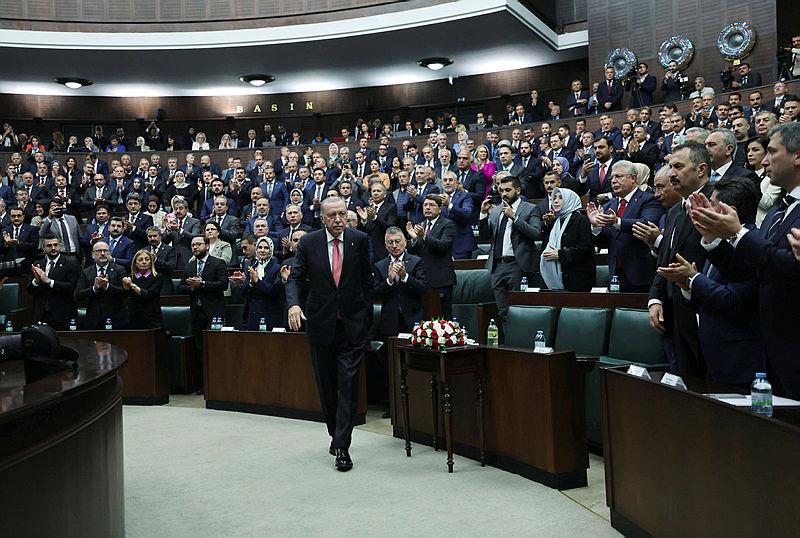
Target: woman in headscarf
[
  {"x": 642, "y": 176},
  {"x": 561, "y": 167},
  {"x": 180, "y": 187},
  {"x": 263, "y": 289},
  {"x": 567, "y": 262}
]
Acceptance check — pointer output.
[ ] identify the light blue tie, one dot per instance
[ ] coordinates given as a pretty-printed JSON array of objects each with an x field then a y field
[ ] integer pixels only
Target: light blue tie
[
  {"x": 200, "y": 265},
  {"x": 715, "y": 176}
]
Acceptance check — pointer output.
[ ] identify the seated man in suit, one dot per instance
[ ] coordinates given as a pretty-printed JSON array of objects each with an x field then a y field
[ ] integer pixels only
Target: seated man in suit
[
  {"x": 457, "y": 206},
  {"x": 513, "y": 227},
  {"x": 205, "y": 281},
  {"x": 120, "y": 248},
  {"x": 432, "y": 240},
  {"x": 166, "y": 258},
  {"x": 628, "y": 258},
  {"x": 52, "y": 287},
  {"x": 21, "y": 240},
  {"x": 100, "y": 285}
]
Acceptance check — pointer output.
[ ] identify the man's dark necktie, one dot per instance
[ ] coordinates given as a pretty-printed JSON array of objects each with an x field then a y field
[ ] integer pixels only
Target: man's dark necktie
[
  {"x": 782, "y": 206},
  {"x": 499, "y": 239}
]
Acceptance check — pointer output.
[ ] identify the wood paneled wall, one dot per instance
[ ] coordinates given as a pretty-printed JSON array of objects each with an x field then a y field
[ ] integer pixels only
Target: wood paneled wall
[{"x": 642, "y": 25}]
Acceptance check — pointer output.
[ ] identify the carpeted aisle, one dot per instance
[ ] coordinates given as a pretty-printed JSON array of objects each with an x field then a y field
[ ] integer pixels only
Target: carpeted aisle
[{"x": 197, "y": 472}]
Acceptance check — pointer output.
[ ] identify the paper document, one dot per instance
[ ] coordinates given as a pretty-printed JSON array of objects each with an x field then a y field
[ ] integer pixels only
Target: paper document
[{"x": 743, "y": 400}]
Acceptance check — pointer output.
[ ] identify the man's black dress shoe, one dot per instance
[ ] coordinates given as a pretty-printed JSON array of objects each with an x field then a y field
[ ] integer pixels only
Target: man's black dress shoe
[{"x": 343, "y": 461}]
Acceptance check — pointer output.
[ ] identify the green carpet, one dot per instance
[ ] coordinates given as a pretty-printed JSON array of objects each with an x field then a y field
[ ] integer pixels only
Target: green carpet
[{"x": 197, "y": 472}]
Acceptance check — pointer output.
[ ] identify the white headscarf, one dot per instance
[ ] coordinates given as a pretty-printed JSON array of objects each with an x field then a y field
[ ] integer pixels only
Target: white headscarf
[
  {"x": 551, "y": 270},
  {"x": 262, "y": 264}
]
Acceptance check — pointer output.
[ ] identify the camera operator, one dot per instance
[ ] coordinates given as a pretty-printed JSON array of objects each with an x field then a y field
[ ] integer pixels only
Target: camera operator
[
  {"x": 747, "y": 79},
  {"x": 794, "y": 61},
  {"x": 673, "y": 84},
  {"x": 642, "y": 86}
]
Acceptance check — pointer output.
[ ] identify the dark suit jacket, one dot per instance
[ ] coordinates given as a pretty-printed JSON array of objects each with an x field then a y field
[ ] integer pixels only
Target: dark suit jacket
[
  {"x": 614, "y": 96},
  {"x": 139, "y": 231},
  {"x": 351, "y": 300},
  {"x": 475, "y": 184},
  {"x": 145, "y": 309},
  {"x": 401, "y": 298},
  {"x": 593, "y": 180},
  {"x": 735, "y": 170},
  {"x": 778, "y": 292},
  {"x": 532, "y": 186},
  {"x": 27, "y": 245},
  {"x": 104, "y": 303},
  {"x": 280, "y": 196},
  {"x": 638, "y": 263},
  {"x": 573, "y": 108},
  {"x": 208, "y": 300},
  {"x": 749, "y": 81},
  {"x": 461, "y": 214},
  {"x": 436, "y": 251},
  {"x": 644, "y": 95},
  {"x": 123, "y": 252},
  {"x": 376, "y": 229},
  {"x": 414, "y": 205},
  {"x": 648, "y": 154},
  {"x": 60, "y": 299},
  {"x": 729, "y": 324},
  {"x": 166, "y": 261},
  {"x": 181, "y": 240}
]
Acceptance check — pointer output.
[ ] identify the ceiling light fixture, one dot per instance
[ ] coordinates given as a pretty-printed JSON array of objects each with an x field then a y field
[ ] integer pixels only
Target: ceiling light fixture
[
  {"x": 435, "y": 63},
  {"x": 257, "y": 80},
  {"x": 74, "y": 82}
]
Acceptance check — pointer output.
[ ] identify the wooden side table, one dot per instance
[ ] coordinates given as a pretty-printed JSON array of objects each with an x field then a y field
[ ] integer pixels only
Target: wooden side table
[{"x": 442, "y": 365}]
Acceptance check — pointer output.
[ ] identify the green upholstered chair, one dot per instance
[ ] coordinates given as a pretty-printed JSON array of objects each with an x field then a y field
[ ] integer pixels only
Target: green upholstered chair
[
  {"x": 583, "y": 330},
  {"x": 9, "y": 298},
  {"x": 631, "y": 341},
  {"x": 178, "y": 322},
  {"x": 483, "y": 249},
  {"x": 524, "y": 321},
  {"x": 175, "y": 283},
  {"x": 601, "y": 276},
  {"x": 81, "y": 315},
  {"x": 472, "y": 292}
]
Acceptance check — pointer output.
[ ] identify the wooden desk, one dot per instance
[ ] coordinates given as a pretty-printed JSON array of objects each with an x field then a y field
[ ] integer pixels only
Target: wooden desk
[
  {"x": 443, "y": 366},
  {"x": 61, "y": 457},
  {"x": 681, "y": 464},
  {"x": 535, "y": 423},
  {"x": 145, "y": 376},
  {"x": 579, "y": 299},
  {"x": 266, "y": 373}
]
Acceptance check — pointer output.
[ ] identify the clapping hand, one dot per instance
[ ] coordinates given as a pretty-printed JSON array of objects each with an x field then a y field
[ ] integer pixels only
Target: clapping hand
[
  {"x": 362, "y": 213},
  {"x": 286, "y": 270},
  {"x": 679, "y": 272},
  {"x": 100, "y": 282},
  {"x": 414, "y": 232},
  {"x": 126, "y": 282},
  {"x": 647, "y": 232},
  {"x": 592, "y": 213},
  {"x": 391, "y": 273},
  {"x": 633, "y": 146},
  {"x": 371, "y": 212},
  {"x": 194, "y": 281},
  {"x": 237, "y": 278},
  {"x": 719, "y": 222},
  {"x": 286, "y": 244},
  {"x": 412, "y": 191},
  {"x": 401, "y": 270},
  {"x": 794, "y": 241},
  {"x": 549, "y": 218},
  {"x": 253, "y": 273},
  {"x": 445, "y": 198}
]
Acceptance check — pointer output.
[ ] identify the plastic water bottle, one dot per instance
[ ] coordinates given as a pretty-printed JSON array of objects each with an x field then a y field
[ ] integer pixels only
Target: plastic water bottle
[
  {"x": 215, "y": 324},
  {"x": 109, "y": 325},
  {"x": 614, "y": 286},
  {"x": 761, "y": 395},
  {"x": 73, "y": 324},
  {"x": 262, "y": 325},
  {"x": 523, "y": 284},
  {"x": 539, "y": 341},
  {"x": 492, "y": 335},
  {"x": 9, "y": 326}
]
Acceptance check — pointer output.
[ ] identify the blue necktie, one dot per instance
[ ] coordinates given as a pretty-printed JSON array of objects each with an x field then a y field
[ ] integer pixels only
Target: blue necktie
[{"x": 200, "y": 265}]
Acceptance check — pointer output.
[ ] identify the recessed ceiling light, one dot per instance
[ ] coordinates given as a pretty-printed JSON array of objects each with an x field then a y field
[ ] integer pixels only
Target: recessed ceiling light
[
  {"x": 74, "y": 82},
  {"x": 257, "y": 80},
  {"x": 435, "y": 63}
]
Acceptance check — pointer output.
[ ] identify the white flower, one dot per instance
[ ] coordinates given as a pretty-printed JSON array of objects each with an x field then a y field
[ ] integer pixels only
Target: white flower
[
  {"x": 442, "y": 340},
  {"x": 449, "y": 329}
]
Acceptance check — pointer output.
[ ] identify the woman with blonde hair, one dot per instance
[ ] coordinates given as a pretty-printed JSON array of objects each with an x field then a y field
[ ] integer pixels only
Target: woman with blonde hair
[
  {"x": 462, "y": 137},
  {"x": 484, "y": 165},
  {"x": 144, "y": 288},
  {"x": 200, "y": 142}
]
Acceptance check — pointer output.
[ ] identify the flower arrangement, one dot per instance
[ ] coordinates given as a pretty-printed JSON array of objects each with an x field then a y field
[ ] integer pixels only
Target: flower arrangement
[{"x": 438, "y": 334}]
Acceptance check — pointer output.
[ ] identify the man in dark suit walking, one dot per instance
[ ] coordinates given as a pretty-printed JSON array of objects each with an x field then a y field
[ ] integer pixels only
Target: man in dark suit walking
[
  {"x": 628, "y": 258},
  {"x": 100, "y": 285},
  {"x": 513, "y": 227},
  {"x": 432, "y": 240},
  {"x": 333, "y": 265},
  {"x": 689, "y": 168},
  {"x": 732, "y": 245},
  {"x": 52, "y": 288}
]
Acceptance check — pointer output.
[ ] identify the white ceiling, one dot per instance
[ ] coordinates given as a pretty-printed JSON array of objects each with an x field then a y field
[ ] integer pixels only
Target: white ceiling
[{"x": 482, "y": 36}]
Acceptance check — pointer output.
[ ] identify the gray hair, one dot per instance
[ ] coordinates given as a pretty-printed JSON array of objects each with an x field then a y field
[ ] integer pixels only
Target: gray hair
[
  {"x": 790, "y": 135},
  {"x": 626, "y": 166},
  {"x": 728, "y": 138},
  {"x": 697, "y": 133}
]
